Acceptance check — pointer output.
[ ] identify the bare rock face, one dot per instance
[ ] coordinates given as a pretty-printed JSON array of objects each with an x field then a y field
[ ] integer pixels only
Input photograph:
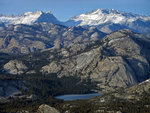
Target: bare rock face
[
  {"x": 47, "y": 109},
  {"x": 23, "y": 39},
  {"x": 53, "y": 67},
  {"x": 130, "y": 46},
  {"x": 120, "y": 60},
  {"x": 113, "y": 71},
  {"x": 15, "y": 67},
  {"x": 70, "y": 66}
]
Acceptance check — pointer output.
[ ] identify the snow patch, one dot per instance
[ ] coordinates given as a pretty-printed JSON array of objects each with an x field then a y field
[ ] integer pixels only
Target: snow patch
[{"x": 148, "y": 80}]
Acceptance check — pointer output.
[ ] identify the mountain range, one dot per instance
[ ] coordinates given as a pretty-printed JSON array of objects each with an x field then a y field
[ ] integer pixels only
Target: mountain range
[
  {"x": 120, "y": 59},
  {"x": 110, "y": 20},
  {"x": 106, "y": 20},
  {"x": 23, "y": 39},
  {"x": 106, "y": 51},
  {"x": 117, "y": 65},
  {"x": 83, "y": 48},
  {"x": 30, "y": 18}
]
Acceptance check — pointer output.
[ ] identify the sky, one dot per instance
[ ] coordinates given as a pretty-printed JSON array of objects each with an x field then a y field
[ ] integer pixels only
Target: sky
[{"x": 64, "y": 9}]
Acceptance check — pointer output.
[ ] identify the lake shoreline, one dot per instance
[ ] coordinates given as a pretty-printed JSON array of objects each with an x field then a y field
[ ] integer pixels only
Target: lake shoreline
[{"x": 72, "y": 97}]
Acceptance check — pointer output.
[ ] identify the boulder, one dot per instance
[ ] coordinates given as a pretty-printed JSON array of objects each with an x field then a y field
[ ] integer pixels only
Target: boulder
[{"x": 47, "y": 109}]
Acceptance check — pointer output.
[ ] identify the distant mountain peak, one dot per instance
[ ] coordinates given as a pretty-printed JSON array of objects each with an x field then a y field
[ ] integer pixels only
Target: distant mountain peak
[
  {"x": 108, "y": 20},
  {"x": 101, "y": 16},
  {"x": 30, "y": 18}
]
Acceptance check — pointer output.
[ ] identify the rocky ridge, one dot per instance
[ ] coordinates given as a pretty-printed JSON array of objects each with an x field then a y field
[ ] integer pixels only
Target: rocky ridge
[
  {"x": 23, "y": 39},
  {"x": 120, "y": 59},
  {"x": 118, "y": 62}
]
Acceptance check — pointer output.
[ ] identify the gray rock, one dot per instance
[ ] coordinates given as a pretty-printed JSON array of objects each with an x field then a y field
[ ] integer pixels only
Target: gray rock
[
  {"x": 119, "y": 61},
  {"x": 15, "y": 67},
  {"x": 23, "y": 39},
  {"x": 47, "y": 109},
  {"x": 53, "y": 67},
  {"x": 23, "y": 111}
]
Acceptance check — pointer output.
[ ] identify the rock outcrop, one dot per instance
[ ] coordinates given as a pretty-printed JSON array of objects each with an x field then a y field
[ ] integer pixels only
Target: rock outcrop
[
  {"x": 47, "y": 109},
  {"x": 53, "y": 67},
  {"x": 15, "y": 67}
]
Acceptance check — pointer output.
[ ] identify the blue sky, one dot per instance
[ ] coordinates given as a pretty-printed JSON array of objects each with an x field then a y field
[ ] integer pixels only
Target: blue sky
[{"x": 64, "y": 9}]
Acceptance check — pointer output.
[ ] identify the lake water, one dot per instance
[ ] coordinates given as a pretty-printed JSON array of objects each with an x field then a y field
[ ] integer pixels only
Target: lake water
[{"x": 77, "y": 96}]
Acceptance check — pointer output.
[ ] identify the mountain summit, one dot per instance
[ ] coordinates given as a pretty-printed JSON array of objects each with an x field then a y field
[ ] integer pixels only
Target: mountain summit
[
  {"x": 109, "y": 20},
  {"x": 106, "y": 20},
  {"x": 30, "y": 18}
]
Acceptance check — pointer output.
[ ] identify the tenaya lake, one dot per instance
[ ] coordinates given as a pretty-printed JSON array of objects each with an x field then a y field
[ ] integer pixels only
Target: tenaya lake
[{"x": 77, "y": 96}]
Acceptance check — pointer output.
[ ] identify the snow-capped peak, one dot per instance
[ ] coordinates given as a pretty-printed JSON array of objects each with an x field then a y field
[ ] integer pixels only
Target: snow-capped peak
[
  {"x": 30, "y": 18},
  {"x": 109, "y": 20},
  {"x": 102, "y": 16}
]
